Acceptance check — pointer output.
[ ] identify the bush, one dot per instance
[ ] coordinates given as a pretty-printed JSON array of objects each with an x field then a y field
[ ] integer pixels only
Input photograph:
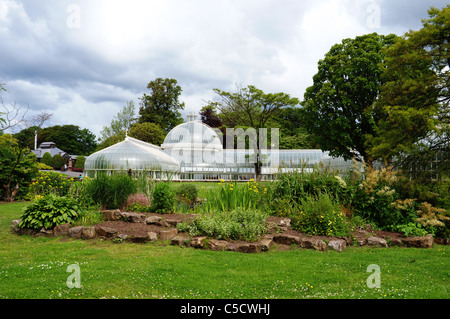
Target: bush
[
  {"x": 50, "y": 211},
  {"x": 238, "y": 224},
  {"x": 292, "y": 188},
  {"x": 110, "y": 191},
  {"x": 187, "y": 193},
  {"x": 378, "y": 201},
  {"x": 79, "y": 163},
  {"x": 320, "y": 215},
  {"x": 47, "y": 159},
  {"x": 163, "y": 198},
  {"x": 51, "y": 183},
  {"x": 138, "y": 203},
  {"x": 57, "y": 161},
  {"x": 412, "y": 229},
  {"x": 42, "y": 166}
]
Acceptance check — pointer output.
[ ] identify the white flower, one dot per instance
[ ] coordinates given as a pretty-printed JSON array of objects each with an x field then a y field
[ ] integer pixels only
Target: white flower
[{"x": 341, "y": 182}]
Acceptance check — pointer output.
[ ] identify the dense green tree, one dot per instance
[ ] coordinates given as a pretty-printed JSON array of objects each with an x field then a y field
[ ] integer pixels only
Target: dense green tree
[
  {"x": 293, "y": 133},
  {"x": 413, "y": 108},
  {"x": 338, "y": 106},
  {"x": 69, "y": 138},
  {"x": 162, "y": 105},
  {"x": 26, "y": 137},
  {"x": 148, "y": 132},
  {"x": 18, "y": 168}
]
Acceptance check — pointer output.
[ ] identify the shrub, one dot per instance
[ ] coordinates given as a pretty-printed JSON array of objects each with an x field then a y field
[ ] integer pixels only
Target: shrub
[
  {"x": 47, "y": 159},
  {"x": 138, "y": 202},
  {"x": 296, "y": 186},
  {"x": 434, "y": 220},
  {"x": 51, "y": 183},
  {"x": 42, "y": 166},
  {"x": 412, "y": 229},
  {"x": 187, "y": 193},
  {"x": 49, "y": 211},
  {"x": 238, "y": 224},
  {"x": 163, "y": 198},
  {"x": 81, "y": 193},
  {"x": 79, "y": 163},
  {"x": 57, "y": 161},
  {"x": 320, "y": 215},
  {"x": 110, "y": 191},
  {"x": 377, "y": 199}
]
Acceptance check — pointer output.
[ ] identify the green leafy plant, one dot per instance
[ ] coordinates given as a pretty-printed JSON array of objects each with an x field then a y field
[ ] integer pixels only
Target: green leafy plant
[
  {"x": 238, "y": 224},
  {"x": 163, "y": 198},
  {"x": 187, "y": 193},
  {"x": 412, "y": 229},
  {"x": 378, "y": 201},
  {"x": 49, "y": 211},
  {"x": 51, "y": 183},
  {"x": 295, "y": 186},
  {"x": 320, "y": 215}
]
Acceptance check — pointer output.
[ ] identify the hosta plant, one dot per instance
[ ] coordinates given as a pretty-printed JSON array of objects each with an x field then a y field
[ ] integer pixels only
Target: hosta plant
[{"x": 49, "y": 211}]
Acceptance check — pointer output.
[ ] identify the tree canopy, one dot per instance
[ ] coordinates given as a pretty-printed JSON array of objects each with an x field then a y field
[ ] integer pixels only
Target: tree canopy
[
  {"x": 119, "y": 127},
  {"x": 148, "y": 132},
  {"x": 250, "y": 107},
  {"x": 338, "y": 106},
  {"x": 162, "y": 105},
  {"x": 18, "y": 168},
  {"x": 413, "y": 108}
]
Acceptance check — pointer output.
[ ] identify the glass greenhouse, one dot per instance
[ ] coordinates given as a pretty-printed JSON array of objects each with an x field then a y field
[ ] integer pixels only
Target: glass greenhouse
[
  {"x": 193, "y": 151},
  {"x": 131, "y": 155}
]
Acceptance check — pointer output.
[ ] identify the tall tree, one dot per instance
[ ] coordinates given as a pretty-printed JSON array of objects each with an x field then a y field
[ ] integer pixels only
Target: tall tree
[
  {"x": 162, "y": 105},
  {"x": 69, "y": 138},
  {"x": 148, "y": 132},
  {"x": 18, "y": 167},
  {"x": 293, "y": 133},
  {"x": 209, "y": 116},
  {"x": 338, "y": 106},
  {"x": 250, "y": 107},
  {"x": 119, "y": 127},
  {"x": 414, "y": 105}
]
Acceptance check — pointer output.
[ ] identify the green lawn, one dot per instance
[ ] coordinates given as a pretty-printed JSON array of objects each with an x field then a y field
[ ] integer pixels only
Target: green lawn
[{"x": 36, "y": 268}]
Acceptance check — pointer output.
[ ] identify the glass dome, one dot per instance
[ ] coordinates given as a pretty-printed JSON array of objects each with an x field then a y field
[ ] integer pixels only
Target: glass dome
[
  {"x": 131, "y": 154},
  {"x": 194, "y": 142}
]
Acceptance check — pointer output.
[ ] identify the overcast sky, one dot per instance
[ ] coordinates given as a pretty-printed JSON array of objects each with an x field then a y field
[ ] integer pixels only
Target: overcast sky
[{"x": 82, "y": 60}]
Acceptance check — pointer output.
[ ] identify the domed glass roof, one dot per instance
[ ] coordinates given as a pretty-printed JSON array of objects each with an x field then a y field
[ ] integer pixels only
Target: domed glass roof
[
  {"x": 131, "y": 154},
  {"x": 193, "y": 142}
]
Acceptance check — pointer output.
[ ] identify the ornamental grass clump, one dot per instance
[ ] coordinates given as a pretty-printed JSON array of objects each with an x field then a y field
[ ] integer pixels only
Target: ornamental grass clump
[
  {"x": 231, "y": 195},
  {"x": 110, "y": 191}
]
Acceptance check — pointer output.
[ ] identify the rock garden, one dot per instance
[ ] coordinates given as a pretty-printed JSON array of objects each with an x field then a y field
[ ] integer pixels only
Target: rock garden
[
  {"x": 135, "y": 227},
  {"x": 320, "y": 209}
]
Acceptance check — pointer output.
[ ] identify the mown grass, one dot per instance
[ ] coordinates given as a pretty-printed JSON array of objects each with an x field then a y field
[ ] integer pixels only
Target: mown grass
[{"x": 36, "y": 268}]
